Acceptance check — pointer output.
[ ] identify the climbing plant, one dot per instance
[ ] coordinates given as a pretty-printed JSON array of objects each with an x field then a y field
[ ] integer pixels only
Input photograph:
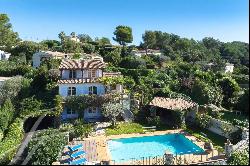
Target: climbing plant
[
  {"x": 179, "y": 119},
  {"x": 58, "y": 104},
  {"x": 81, "y": 102},
  {"x": 112, "y": 81}
]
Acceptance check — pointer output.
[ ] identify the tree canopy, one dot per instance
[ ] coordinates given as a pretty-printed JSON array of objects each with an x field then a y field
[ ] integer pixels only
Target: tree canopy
[
  {"x": 123, "y": 35},
  {"x": 8, "y": 37}
]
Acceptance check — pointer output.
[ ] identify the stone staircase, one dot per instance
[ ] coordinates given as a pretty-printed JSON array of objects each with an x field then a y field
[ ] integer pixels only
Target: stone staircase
[
  {"x": 19, "y": 156},
  {"x": 127, "y": 115}
]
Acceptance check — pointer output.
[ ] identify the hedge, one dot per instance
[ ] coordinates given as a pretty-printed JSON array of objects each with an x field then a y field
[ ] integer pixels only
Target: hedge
[
  {"x": 11, "y": 141},
  {"x": 46, "y": 146}
]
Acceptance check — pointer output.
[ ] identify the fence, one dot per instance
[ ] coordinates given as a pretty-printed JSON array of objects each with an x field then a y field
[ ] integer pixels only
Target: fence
[{"x": 177, "y": 159}]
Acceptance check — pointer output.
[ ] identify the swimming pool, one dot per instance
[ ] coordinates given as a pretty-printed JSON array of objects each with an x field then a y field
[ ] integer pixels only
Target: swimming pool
[{"x": 127, "y": 148}]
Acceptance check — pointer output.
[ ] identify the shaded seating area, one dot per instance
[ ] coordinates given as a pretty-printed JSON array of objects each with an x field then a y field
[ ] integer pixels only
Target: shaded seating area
[{"x": 172, "y": 109}]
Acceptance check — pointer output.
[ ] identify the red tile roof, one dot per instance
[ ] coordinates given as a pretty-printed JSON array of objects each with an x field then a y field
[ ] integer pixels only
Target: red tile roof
[
  {"x": 82, "y": 64},
  {"x": 111, "y": 74},
  {"x": 172, "y": 104}
]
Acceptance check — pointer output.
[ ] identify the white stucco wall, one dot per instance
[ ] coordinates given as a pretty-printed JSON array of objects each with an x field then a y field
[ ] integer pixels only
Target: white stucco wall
[
  {"x": 36, "y": 59},
  {"x": 229, "y": 69},
  {"x": 216, "y": 126},
  {"x": 81, "y": 89}
]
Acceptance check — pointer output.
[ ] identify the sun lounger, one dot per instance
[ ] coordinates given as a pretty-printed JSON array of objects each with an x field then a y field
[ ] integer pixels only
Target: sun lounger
[
  {"x": 77, "y": 154},
  {"x": 78, "y": 162},
  {"x": 74, "y": 148}
]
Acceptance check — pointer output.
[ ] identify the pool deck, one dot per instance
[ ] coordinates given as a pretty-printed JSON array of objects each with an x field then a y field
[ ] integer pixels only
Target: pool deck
[{"x": 101, "y": 150}]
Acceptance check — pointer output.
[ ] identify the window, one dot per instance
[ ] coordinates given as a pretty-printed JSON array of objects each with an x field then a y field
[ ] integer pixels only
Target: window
[
  {"x": 91, "y": 73},
  {"x": 92, "y": 110},
  {"x": 92, "y": 90},
  {"x": 71, "y": 91},
  {"x": 72, "y": 74},
  {"x": 70, "y": 111}
]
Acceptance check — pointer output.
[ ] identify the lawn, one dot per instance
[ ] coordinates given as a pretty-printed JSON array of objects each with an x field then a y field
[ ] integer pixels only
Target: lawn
[
  {"x": 232, "y": 117},
  {"x": 125, "y": 128}
]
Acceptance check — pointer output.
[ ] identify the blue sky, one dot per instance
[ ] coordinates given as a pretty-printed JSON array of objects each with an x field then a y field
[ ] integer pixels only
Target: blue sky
[{"x": 226, "y": 20}]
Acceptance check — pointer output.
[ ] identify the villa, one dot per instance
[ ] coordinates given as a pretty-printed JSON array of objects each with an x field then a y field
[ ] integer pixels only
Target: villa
[
  {"x": 73, "y": 37},
  {"x": 4, "y": 55},
  {"x": 229, "y": 68},
  {"x": 80, "y": 77},
  {"x": 3, "y": 79},
  {"x": 139, "y": 53},
  {"x": 39, "y": 56}
]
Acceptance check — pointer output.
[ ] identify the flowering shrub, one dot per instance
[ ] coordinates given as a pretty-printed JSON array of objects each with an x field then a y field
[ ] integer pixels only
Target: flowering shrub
[
  {"x": 239, "y": 158},
  {"x": 203, "y": 120}
]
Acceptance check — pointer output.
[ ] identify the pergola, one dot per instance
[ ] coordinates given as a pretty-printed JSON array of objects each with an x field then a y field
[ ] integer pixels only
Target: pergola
[{"x": 172, "y": 103}]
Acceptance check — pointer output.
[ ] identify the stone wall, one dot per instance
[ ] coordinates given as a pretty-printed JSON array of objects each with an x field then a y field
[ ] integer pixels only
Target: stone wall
[{"x": 216, "y": 126}]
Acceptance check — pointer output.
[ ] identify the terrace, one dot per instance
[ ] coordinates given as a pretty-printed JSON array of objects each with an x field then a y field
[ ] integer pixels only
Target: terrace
[{"x": 98, "y": 151}]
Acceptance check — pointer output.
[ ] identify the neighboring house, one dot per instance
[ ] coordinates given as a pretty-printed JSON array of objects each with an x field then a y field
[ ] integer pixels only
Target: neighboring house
[
  {"x": 38, "y": 57},
  {"x": 80, "y": 77},
  {"x": 74, "y": 38},
  {"x": 4, "y": 55},
  {"x": 139, "y": 53},
  {"x": 229, "y": 68},
  {"x": 2, "y": 79}
]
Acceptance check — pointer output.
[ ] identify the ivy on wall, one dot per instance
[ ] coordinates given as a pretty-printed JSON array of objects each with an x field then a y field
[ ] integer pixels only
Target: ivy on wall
[{"x": 81, "y": 102}]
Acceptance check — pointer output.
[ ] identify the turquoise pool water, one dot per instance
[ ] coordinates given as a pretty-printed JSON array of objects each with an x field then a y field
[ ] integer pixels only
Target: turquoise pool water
[{"x": 137, "y": 147}]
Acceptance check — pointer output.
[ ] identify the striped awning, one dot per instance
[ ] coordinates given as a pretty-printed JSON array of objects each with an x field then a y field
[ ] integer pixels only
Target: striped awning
[{"x": 78, "y": 81}]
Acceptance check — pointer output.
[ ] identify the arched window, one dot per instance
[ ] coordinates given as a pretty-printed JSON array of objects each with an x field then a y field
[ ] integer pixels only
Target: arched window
[
  {"x": 71, "y": 91},
  {"x": 93, "y": 90}
]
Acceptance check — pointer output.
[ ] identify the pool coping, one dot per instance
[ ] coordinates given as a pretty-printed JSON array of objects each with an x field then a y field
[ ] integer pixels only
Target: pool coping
[
  {"x": 155, "y": 133},
  {"x": 105, "y": 138}
]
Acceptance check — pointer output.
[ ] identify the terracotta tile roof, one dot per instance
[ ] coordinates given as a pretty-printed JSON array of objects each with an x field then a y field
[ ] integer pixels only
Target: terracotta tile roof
[
  {"x": 172, "y": 104},
  {"x": 77, "y": 81},
  {"x": 111, "y": 74},
  {"x": 5, "y": 78},
  {"x": 82, "y": 64}
]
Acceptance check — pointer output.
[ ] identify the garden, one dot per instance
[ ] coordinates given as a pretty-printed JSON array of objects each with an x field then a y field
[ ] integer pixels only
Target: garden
[{"x": 176, "y": 73}]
